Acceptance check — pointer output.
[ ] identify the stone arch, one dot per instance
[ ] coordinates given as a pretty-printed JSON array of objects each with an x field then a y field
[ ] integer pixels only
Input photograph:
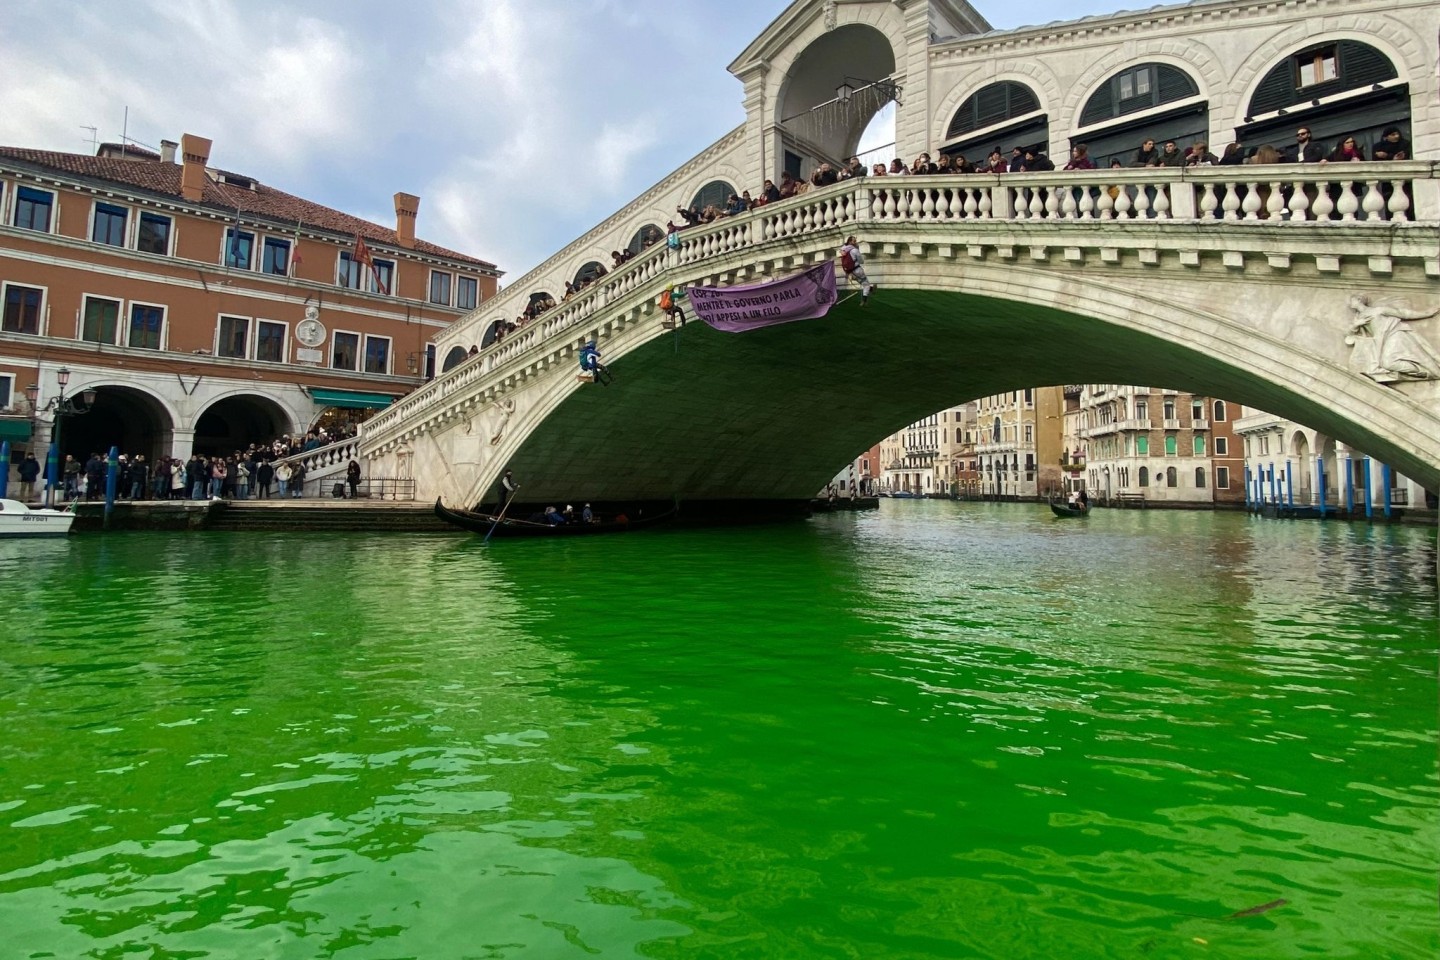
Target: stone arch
[
  {"x": 807, "y": 108},
  {"x": 1391, "y": 37},
  {"x": 235, "y": 419},
  {"x": 129, "y": 417},
  {"x": 714, "y": 192},
  {"x": 645, "y": 238},
  {"x": 1190, "y": 55},
  {"x": 1035, "y": 75},
  {"x": 589, "y": 270}
]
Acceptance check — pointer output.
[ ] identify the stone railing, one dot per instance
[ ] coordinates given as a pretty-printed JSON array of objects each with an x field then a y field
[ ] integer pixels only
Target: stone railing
[
  {"x": 324, "y": 461},
  {"x": 1338, "y": 197}
]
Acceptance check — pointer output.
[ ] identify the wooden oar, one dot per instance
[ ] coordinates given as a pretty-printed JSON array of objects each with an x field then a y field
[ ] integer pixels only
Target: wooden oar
[{"x": 502, "y": 513}]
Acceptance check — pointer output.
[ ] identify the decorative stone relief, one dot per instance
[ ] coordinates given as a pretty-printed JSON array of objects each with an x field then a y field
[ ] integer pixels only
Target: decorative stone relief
[
  {"x": 1383, "y": 348},
  {"x": 832, "y": 18},
  {"x": 505, "y": 409}
]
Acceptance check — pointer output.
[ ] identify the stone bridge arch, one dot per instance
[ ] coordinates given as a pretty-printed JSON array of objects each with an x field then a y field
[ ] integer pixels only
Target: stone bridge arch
[
  {"x": 1038, "y": 77},
  {"x": 1193, "y": 57}
]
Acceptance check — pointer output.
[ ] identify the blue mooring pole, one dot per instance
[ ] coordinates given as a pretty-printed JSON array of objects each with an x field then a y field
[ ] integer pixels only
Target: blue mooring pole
[
  {"x": 1369, "y": 500},
  {"x": 1385, "y": 481},
  {"x": 1350, "y": 486},
  {"x": 1320, "y": 477},
  {"x": 5, "y": 469},
  {"x": 1289, "y": 486},
  {"x": 52, "y": 472},
  {"x": 1248, "y": 491},
  {"x": 112, "y": 476}
]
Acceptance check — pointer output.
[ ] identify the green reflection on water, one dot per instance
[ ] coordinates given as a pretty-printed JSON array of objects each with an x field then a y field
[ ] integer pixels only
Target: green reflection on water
[{"x": 943, "y": 730}]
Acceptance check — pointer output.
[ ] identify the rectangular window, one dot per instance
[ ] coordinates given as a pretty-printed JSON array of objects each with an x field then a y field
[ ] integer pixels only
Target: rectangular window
[
  {"x": 1142, "y": 410},
  {"x": 1222, "y": 478},
  {"x": 345, "y": 352},
  {"x": 109, "y": 226},
  {"x": 1200, "y": 446},
  {"x": 239, "y": 249},
  {"x": 100, "y": 320},
  {"x": 377, "y": 354},
  {"x": 22, "y": 309},
  {"x": 1169, "y": 409},
  {"x": 467, "y": 293},
  {"x": 234, "y": 339},
  {"x": 146, "y": 323},
  {"x": 1029, "y": 433},
  {"x": 382, "y": 278},
  {"x": 1264, "y": 446},
  {"x": 154, "y": 234},
  {"x": 7, "y": 391},
  {"x": 1317, "y": 66},
  {"x": 1142, "y": 446},
  {"x": 1197, "y": 410},
  {"x": 1222, "y": 447},
  {"x": 352, "y": 272},
  {"x": 270, "y": 341},
  {"x": 33, "y": 208},
  {"x": 275, "y": 258},
  {"x": 440, "y": 287}
]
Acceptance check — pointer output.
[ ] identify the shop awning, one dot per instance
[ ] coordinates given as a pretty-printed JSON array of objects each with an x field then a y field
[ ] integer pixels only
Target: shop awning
[
  {"x": 350, "y": 399},
  {"x": 14, "y": 429}
]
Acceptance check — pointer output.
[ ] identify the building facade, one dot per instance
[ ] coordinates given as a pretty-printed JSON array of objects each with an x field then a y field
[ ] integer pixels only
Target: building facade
[{"x": 206, "y": 310}]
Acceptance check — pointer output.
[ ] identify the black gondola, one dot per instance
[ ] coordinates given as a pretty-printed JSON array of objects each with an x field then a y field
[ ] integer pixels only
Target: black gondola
[
  {"x": 482, "y": 523},
  {"x": 1067, "y": 510},
  {"x": 826, "y": 505}
]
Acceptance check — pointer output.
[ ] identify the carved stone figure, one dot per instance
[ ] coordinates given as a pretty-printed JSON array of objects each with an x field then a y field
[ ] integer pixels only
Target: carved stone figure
[
  {"x": 506, "y": 410},
  {"x": 1383, "y": 348},
  {"x": 831, "y": 15}
]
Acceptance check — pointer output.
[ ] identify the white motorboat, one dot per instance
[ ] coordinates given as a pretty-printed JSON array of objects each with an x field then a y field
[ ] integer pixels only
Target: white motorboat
[{"x": 18, "y": 520}]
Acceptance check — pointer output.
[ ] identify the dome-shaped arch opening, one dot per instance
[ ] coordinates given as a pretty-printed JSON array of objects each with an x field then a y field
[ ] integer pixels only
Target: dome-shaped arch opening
[
  {"x": 1005, "y": 114},
  {"x": 831, "y": 92},
  {"x": 714, "y": 194},
  {"x": 234, "y": 423},
  {"x": 123, "y": 417},
  {"x": 455, "y": 357},
  {"x": 646, "y": 237},
  {"x": 1333, "y": 88},
  {"x": 588, "y": 274},
  {"x": 1143, "y": 87}
]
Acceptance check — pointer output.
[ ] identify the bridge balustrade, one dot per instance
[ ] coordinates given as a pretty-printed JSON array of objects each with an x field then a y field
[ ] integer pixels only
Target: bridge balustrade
[{"x": 1340, "y": 196}]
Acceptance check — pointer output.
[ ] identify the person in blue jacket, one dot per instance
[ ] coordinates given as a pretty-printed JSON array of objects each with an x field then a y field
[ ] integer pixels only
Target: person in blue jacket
[{"x": 591, "y": 369}]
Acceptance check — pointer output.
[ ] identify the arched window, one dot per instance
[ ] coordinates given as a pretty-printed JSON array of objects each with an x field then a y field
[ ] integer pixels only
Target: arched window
[
  {"x": 716, "y": 193},
  {"x": 987, "y": 114},
  {"x": 1144, "y": 476},
  {"x": 1219, "y": 411},
  {"x": 1199, "y": 478},
  {"x": 1172, "y": 477},
  {"x": 1199, "y": 445},
  {"x": 1139, "y": 88},
  {"x": 647, "y": 236},
  {"x": 589, "y": 272},
  {"x": 453, "y": 359},
  {"x": 1170, "y": 446}
]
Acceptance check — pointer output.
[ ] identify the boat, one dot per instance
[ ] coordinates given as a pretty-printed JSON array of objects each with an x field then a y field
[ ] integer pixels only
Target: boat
[
  {"x": 483, "y": 523},
  {"x": 18, "y": 520},
  {"x": 827, "y": 505},
  {"x": 1068, "y": 510}
]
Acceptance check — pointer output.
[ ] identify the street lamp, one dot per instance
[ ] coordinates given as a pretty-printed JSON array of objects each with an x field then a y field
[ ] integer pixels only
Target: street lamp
[{"x": 59, "y": 407}]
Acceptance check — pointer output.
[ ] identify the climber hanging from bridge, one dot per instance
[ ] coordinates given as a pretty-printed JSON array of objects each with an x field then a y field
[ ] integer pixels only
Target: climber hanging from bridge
[
  {"x": 670, "y": 303},
  {"x": 853, "y": 263},
  {"x": 591, "y": 369}
]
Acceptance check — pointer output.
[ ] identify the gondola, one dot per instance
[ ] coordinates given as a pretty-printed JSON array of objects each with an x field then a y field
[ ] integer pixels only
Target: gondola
[
  {"x": 827, "y": 505},
  {"x": 1066, "y": 510},
  {"x": 511, "y": 527}
]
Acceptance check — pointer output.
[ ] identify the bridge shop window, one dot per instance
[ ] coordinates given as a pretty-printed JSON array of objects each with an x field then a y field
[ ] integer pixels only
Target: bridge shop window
[
  {"x": 1332, "y": 87},
  {"x": 22, "y": 309},
  {"x": 1003, "y": 114},
  {"x": 716, "y": 193},
  {"x": 154, "y": 234},
  {"x": 109, "y": 224}
]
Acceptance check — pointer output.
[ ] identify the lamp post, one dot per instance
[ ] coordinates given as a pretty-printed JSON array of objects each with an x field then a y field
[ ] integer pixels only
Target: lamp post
[{"x": 60, "y": 407}]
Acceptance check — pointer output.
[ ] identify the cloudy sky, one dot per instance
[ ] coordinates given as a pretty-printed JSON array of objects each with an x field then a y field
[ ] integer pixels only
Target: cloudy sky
[{"x": 520, "y": 123}]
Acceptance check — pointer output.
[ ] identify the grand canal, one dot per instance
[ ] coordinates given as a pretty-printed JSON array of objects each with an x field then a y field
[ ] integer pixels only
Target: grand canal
[{"x": 942, "y": 730}]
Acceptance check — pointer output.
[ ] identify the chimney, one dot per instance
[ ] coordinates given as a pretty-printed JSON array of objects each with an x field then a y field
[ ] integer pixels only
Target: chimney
[
  {"x": 167, "y": 151},
  {"x": 406, "y": 207},
  {"x": 195, "y": 153}
]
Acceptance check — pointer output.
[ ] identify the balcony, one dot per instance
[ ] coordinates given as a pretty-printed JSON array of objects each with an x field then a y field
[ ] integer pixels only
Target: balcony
[
  {"x": 1199, "y": 424},
  {"x": 1170, "y": 424}
]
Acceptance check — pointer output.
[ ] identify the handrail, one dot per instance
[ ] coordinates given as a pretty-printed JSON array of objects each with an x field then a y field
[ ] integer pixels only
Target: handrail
[{"x": 1280, "y": 197}]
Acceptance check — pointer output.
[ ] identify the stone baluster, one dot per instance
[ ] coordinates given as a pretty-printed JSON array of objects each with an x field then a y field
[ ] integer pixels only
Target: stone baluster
[
  {"x": 877, "y": 204},
  {"x": 1116, "y": 207},
  {"x": 1324, "y": 205},
  {"x": 1162, "y": 201},
  {"x": 1087, "y": 202},
  {"x": 1068, "y": 207},
  {"x": 927, "y": 207},
  {"x": 1208, "y": 202},
  {"x": 890, "y": 206},
  {"x": 942, "y": 204},
  {"x": 1036, "y": 206},
  {"x": 972, "y": 202},
  {"x": 1349, "y": 202},
  {"x": 1052, "y": 201},
  {"x": 1373, "y": 203},
  {"x": 1399, "y": 204},
  {"x": 1251, "y": 203},
  {"x": 1299, "y": 203},
  {"x": 995, "y": 204}
]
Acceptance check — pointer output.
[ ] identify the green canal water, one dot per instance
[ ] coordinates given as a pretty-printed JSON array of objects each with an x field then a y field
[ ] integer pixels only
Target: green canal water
[{"x": 939, "y": 730}]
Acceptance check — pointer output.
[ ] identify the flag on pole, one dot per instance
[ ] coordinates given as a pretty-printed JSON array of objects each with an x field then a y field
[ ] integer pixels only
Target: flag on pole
[
  {"x": 362, "y": 255},
  {"x": 295, "y": 250}
]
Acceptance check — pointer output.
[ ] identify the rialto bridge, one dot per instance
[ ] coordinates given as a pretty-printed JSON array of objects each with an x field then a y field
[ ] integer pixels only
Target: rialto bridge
[{"x": 1301, "y": 289}]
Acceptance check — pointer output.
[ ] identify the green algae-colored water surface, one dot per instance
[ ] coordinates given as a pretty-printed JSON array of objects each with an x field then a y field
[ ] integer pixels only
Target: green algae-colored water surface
[{"x": 939, "y": 730}]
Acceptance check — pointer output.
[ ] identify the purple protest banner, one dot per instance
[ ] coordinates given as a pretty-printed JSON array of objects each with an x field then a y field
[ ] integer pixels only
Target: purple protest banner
[{"x": 802, "y": 296}]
